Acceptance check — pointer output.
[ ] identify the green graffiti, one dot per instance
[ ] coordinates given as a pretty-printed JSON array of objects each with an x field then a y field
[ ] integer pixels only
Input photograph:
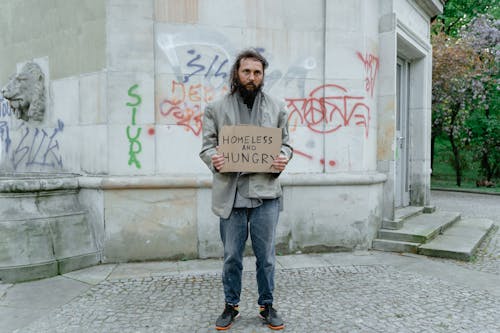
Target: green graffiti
[
  {"x": 134, "y": 111},
  {"x": 131, "y": 94},
  {"x": 135, "y": 146},
  {"x": 134, "y": 143}
]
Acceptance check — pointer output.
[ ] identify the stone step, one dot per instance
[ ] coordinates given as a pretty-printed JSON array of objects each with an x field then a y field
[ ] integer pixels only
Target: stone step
[
  {"x": 460, "y": 241},
  {"x": 407, "y": 212},
  {"x": 400, "y": 215},
  {"x": 421, "y": 228},
  {"x": 394, "y": 246}
]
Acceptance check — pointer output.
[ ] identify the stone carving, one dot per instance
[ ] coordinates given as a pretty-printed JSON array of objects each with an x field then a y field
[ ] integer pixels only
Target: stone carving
[{"x": 26, "y": 93}]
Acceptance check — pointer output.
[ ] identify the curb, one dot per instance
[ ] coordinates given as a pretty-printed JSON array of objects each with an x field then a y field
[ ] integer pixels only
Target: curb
[{"x": 443, "y": 189}]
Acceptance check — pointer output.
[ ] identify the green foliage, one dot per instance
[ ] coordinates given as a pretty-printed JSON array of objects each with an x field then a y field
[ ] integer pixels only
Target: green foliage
[
  {"x": 465, "y": 94},
  {"x": 458, "y": 13}
]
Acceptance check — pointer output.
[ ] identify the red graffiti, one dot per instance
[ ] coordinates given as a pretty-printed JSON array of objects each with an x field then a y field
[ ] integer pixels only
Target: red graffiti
[
  {"x": 327, "y": 109},
  {"x": 371, "y": 64},
  {"x": 310, "y": 157},
  {"x": 185, "y": 104}
]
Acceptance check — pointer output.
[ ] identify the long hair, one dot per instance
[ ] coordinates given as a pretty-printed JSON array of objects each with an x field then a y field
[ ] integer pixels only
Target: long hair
[{"x": 245, "y": 54}]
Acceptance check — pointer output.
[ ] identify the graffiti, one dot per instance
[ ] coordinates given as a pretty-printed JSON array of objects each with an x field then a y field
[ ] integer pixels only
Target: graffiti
[
  {"x": 135, "y": 146},
  {"x": 371, "y": 64},
  {"x": 209, "y": 53},
  {"x": 216, "y": 65},
  {"x": 327, "y": 109},
  {"x": 200, "y": 60},
  {"x": 5, "y": 110},
  {"x": 5, "y": 140},
  {"x": 217, "y": 51},
  {"x": 331, "y": 163},
  {"x": 38, "y": 147},
  {"x": 185, "y": 104}
]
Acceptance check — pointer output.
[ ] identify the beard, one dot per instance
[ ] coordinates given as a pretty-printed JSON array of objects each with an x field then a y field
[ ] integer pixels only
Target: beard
[{"x": 248, "y": 93}]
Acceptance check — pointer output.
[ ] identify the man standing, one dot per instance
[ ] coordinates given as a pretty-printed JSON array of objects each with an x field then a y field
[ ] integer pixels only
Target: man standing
[{"x": 246, "y": 201}]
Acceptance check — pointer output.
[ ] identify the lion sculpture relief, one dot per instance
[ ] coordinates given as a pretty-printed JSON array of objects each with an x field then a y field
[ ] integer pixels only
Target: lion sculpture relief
[{"x": 25, "y": 92}]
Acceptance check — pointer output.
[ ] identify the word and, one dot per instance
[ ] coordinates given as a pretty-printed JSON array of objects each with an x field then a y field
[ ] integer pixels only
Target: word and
[
  {"x": 135, "y": 146},
  {"x": 328, "y": 108},
  {"x": 38, "y": 147}
]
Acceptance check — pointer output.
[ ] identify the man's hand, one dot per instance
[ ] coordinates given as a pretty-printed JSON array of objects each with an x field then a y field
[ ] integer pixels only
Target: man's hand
[
  {"x": 280, "y": 163},
  {"x": 218, "y": 160}
]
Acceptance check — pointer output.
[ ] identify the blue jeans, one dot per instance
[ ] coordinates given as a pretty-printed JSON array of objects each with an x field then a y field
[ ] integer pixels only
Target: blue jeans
[{"x": 262, "y": 221}]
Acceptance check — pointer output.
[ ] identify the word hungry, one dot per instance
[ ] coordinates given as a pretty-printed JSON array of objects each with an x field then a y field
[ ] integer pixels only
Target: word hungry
[{"x": 243, "y": 157}]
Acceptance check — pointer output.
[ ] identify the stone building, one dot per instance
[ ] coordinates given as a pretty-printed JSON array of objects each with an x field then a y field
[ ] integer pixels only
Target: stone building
[{"x": 111, "y": 173}]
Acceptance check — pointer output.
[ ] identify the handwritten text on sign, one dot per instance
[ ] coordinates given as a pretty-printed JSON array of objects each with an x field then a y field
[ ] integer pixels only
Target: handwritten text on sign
[{"x": 249, "y": 148}]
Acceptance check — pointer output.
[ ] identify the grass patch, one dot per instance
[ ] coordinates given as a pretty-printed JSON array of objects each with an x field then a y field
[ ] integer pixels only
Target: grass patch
[{"x": 443, "y": 174}]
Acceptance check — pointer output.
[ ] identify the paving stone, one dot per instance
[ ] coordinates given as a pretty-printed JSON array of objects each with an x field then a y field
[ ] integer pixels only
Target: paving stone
[{"x": 329, "y": 298}]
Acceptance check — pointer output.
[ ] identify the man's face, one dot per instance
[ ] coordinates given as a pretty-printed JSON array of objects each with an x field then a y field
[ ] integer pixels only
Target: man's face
[{"x": 250, "y": 73}]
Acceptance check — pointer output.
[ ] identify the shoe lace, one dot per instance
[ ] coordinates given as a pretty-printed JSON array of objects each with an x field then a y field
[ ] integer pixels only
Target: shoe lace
[
  {"x": 268, "y": 310},
  {"x": 272, "y": 311},
  {"x": 229, "y": 309}
]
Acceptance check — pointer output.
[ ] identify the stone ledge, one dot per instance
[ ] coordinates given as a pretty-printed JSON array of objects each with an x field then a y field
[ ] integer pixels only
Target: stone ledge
[
  {"x": 205, "y": 181},
  {"x": 21, "y": 273},
  {"x": 34, "y": 182}
]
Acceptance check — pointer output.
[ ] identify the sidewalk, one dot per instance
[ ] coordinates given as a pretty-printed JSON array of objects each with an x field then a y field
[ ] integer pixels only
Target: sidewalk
[{"x": 365, "y": 291}]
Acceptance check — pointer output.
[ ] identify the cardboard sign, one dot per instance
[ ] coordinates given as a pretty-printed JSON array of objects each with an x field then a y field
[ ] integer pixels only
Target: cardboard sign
[{"x": 249, "y": 148}]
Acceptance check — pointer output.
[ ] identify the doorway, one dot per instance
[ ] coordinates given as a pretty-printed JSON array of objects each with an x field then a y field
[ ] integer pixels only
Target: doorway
[{"x": 401, "y": 183}]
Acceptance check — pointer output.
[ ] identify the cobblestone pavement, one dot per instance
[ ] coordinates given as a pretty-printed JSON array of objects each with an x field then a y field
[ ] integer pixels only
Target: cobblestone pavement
[
  {"x": 368, "y": 292},
  {"x": 357, "y": 298},
  {"x": 481, "y": 206}
]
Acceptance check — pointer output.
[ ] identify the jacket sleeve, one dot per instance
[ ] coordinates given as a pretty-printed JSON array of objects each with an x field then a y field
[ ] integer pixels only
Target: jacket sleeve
[
  {"x": 286, "y": 148},
  {"x": 210, "y": 137}
]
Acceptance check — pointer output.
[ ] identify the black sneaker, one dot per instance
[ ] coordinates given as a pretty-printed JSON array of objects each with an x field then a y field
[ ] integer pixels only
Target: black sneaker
[
  {"x": 271, "y": 317},
  {"x": 225, "y": 320}
]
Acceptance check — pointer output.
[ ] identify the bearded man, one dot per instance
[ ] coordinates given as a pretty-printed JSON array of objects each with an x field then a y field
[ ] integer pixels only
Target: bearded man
[{"x": 247, "y": 203}]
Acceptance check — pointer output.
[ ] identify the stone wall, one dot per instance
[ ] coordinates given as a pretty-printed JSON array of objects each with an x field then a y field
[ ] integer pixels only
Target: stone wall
[
  {"x": 125, "y": 113},
  {"x": 70, "y": 32}
]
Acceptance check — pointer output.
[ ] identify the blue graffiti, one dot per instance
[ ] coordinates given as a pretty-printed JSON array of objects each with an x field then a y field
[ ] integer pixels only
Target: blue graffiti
[
  {"x": 4, "y": 136},
  {"x": 38, "y": 148},
  {"x": 5, "y": 110},
  {"x": 199, "y": 68}
]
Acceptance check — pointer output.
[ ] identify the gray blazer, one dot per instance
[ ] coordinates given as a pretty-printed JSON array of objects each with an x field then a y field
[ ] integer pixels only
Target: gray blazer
[{"x": 266, "y": 112}]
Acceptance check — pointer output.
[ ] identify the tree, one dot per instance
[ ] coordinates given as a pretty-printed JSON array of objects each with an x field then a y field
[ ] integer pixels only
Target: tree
[
  {"x": 454, "y": 68},
  {"x": 465, "y": 82},
  {"x": 458, "y": 13},
  {"x": 483, "y": 36}
]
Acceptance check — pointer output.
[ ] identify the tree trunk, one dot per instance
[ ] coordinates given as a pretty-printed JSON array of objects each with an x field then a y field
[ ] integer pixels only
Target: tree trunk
[
  {"x": 485, "y": 163},
  {"x": 457, "y": 165},
  {"x": 486, "y": 166}
]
